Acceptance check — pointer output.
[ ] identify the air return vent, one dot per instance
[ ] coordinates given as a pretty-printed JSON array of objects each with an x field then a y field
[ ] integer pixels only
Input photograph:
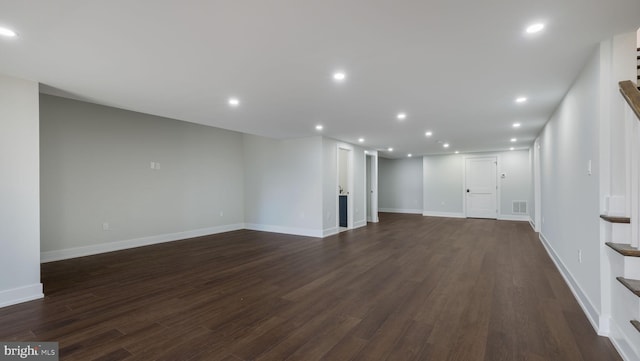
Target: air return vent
[{"x": 520, "y": 207}]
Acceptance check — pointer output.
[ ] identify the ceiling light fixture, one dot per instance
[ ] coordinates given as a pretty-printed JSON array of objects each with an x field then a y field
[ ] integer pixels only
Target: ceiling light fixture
[
  {"x": 339, "y": 76},
  {"x": 457, "y": 152},
  {"x": 521, "y": 99},
  {"x": 512, "y": 148},
  {"x": 409, "y": 155},
  {"x": 428, "y": 133},
  {"x": 513, "y": 140},
  {"x": 361, "y": 140},
  {"x": 7, "y": 32},
  {"x": 401, "y": 116},
  {"x": 390, "y": 149},
  {"x": 446, "y": 145},
  {"x": 535, "y": 28},
  {"x": 319, "y": 127},
  {"x": 234, "y": 102},
  {"x": 516, "y": 125}
]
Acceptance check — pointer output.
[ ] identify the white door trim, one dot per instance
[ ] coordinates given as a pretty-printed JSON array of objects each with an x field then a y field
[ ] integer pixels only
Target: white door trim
[
  {"x": 374, "y": 185},
  {"x": 351, "y": 194}
]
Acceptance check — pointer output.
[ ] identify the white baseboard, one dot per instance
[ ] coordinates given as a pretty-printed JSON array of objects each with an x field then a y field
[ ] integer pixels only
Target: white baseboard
[
  {"x": 57, "y": 255},
  {"x": 21, "y": 294},
  {"x": 583, "y": 300},
  {"x": 443, "y": 214},
  {"x": 286, "y": 230},
  {"x": 513, "y": 217},
  {"x": 400, "y": 210},
  {"x": 532, "y": 224},
  {"x": 330, "y": 231},
  {"x": 621, "y": 344},
  {"x": 359, "y": 224}
]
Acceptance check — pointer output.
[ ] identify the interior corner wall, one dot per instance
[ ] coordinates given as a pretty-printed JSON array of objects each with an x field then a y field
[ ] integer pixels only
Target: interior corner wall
[
  {"x": 19, "y": 192},
  {"x": 283, "y": 185},
  {"x": 330, "y": 185},
  {"x": 400, "y": 185},
  {"x": 569, "y": 195},
  {"x": 100, "y": 193}
]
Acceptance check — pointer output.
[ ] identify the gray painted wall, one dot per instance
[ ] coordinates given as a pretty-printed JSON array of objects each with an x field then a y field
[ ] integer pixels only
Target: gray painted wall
[
  {"x": 516, "y": 186},
  {"x": 570, "y": 197},
  {"x": 95, "y": 169},
  {"x": 19, "y": 192},
  {"x": 400, "y": 185}
]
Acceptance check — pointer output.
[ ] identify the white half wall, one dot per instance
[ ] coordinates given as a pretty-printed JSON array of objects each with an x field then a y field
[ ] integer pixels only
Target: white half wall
[
  {"x": 19, "y": 192},
  {"x": 100, "y": 192}
]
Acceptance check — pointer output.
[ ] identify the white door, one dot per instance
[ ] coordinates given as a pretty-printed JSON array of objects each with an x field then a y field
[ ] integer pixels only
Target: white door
[{"x": 480, "y": 187}]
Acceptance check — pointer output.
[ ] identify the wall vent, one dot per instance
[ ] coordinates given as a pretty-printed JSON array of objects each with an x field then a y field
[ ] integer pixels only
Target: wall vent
[{"x": 519, "y": 207}]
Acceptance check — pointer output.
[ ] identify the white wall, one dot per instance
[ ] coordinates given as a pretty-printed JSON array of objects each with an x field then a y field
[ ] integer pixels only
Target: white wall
[
  {"x": 95, "y": 169},
  {"x": 569, "y": 195},
  {"x": 400, "y": 185},
  {"x": 19, "y": 192},
  {"x": 443, "y": 181},
  {"x": 516, "y": 185},
  {"x": 283, "y": 185}
]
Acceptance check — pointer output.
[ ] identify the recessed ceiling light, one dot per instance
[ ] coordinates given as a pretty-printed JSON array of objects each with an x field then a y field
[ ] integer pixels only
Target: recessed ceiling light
[
  {"x": 7, "y": 32},
  {"x": 516, "y": 125},
  {"x": 446, "y": 145},
  {"x": 401, "y": 116},
  {"x": 339, "y": 76},
  {"x": 513, "y": 140},
  {"x": 535, "y": 28},
  {"x": 512, "y": 148},
  {"x": 361, "y": 140},
  {"x": 234, "y": 102},
  {"x": 319, "y": 127},
  {"x": 457, "y": 152},
  {"x": 428, "y": 134},
  {"x": 409, "y": 155},
  {"x": 521, "y": 99},
  {"x": 390, "y": 149}
]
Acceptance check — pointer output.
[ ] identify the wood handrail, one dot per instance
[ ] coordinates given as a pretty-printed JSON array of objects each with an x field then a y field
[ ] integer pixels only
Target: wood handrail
[{"x": 631, "y": 94}]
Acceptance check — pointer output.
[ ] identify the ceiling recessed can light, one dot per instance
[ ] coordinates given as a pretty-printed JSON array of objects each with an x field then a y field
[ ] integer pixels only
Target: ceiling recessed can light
[
  {"x": 409, "y": 155},
  {"x": 521, "y": 99},
  {"x": 361, "y": 140},
  {"x": 446, "y": 145},
  {"x": 401, "y": 116},
  {"x": 516, "y": 125},
  {"x": 535, "y": 28},
  {"x": 428, "y": 133},
  {"x": 457, "y": 152},
  {"x": 234, "y": 102},
  {"x": 390, "y": 149},
  {"x": 319, "y": 127},
  {"x": 513, "y": 140},
  {"x": 7, "y": 32},
  {"x": 339, "y": 76},
  {"x": 512, "y": 148}
]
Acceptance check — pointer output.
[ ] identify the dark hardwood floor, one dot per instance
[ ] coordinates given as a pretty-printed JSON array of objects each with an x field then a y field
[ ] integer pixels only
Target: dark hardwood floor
[{"x": 408, "y": 288}]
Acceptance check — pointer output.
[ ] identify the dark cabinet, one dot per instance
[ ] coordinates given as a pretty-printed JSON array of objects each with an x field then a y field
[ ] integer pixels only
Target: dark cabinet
[{"x": 343, "y": 211}]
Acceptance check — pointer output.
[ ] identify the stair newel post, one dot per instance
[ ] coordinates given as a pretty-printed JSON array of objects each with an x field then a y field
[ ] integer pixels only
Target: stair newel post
[{"x": 635, "y": 177}]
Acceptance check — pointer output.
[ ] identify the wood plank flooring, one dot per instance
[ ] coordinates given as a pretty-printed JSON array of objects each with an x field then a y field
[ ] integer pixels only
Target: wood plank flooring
[{"x": 408, "y": 288}]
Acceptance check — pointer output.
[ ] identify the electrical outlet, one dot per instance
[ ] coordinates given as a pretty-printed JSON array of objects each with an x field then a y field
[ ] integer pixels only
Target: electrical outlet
[
  {"x": 221, "y": 213},
  {"x": 106, "y": 226}
]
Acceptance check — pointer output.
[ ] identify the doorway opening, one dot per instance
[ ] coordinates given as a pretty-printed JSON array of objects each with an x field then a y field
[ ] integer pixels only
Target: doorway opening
[
  {"x": 344, "y": 213},
  {"x": 371, "y": 185}
]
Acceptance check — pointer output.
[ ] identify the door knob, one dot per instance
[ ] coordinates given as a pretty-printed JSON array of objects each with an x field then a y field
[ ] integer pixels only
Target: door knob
[{"x": 467, "y": 191}]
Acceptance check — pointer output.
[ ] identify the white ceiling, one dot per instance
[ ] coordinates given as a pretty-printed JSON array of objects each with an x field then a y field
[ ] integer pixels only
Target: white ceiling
[{"x": 454, "y": 66}]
